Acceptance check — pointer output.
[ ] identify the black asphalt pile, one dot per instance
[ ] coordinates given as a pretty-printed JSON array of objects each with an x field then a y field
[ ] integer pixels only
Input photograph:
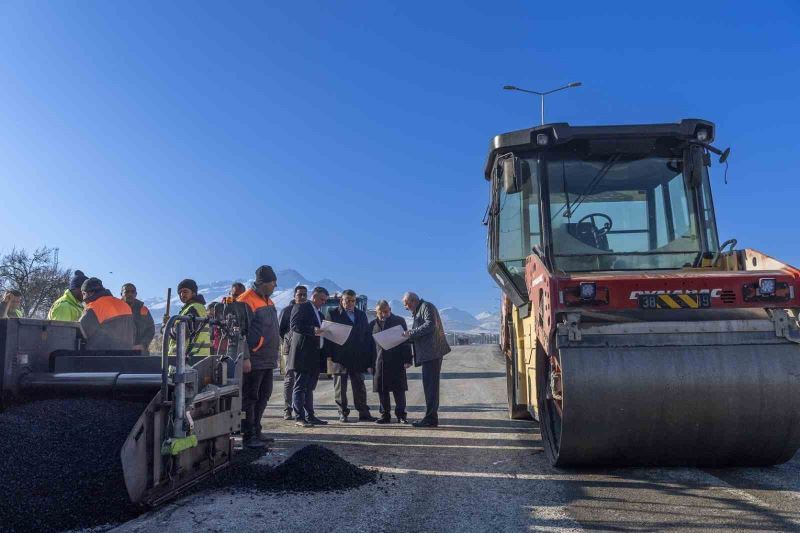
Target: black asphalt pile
[
  {"x": 312, "y": 468},
  {"x": 60, "y": 467}
]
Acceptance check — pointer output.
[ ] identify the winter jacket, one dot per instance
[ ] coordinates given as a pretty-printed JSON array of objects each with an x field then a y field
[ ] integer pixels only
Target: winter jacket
[
  {"x": 390, "y": 370},
  {"x": 427, "y": 334},
  {"x": 107, "y": 323},
  {"x": 67, "y": 308},
  {"x": 4, "y": 313},
  {"x": 356, "y": 353},
  {"x": 305, "y": 352},
  {"x": 263, "y": 336},
  {"x": 145, "y": 326}
]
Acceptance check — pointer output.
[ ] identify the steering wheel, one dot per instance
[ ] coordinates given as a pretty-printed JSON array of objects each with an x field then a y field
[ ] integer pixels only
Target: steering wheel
[{"x": 600, "y": 231}]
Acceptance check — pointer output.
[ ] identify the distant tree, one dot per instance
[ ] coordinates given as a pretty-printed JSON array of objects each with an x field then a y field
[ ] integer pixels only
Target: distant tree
[{"x": 37, "y": 275}]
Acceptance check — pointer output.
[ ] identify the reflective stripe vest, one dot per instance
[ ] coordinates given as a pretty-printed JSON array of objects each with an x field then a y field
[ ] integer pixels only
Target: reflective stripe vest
[{"x": 202, "y": 341}]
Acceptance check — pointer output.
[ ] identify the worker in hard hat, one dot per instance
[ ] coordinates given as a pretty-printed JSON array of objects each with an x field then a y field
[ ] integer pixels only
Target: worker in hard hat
[
  {"x": 261, "y": 357},
  {"x": 107, "y": 322},
  {"x": 145, "y": 325},
  {"x": 68, "y": 307},
  {"x": 198, "y": 341},
  {"x": 10, "y": 306}
]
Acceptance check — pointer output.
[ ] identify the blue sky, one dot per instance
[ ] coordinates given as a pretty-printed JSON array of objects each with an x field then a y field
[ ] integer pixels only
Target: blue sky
[{"x": 347, "y": 140}]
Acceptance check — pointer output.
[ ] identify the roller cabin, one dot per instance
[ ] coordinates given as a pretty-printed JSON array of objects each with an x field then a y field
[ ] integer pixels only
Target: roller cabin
[{"x": 630, "y": 333}]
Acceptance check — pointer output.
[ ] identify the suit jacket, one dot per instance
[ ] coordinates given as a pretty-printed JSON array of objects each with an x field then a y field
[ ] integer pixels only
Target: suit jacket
[
  {"x": 427, "y": 334},
  {"x": 305, "y": 353},
  {"x": 284, "y": 328},
  {"x": 356, "y": 353}
]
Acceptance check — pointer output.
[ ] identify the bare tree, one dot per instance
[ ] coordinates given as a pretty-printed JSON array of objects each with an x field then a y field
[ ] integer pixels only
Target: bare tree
[{"x": 37, "y": 275}]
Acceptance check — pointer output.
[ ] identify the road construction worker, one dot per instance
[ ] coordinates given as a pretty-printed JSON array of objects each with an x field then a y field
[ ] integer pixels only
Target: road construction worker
[
  {"x": 68, "y": 308},
  {"x": 10, "y": 306},
  {"x": 198, "y": 341},
  {"x": 107, "y": 322},
  {"x": 237, "y": 289},
  {"x": 145, "y": 326},
  {"x": 261, "y": 358}
]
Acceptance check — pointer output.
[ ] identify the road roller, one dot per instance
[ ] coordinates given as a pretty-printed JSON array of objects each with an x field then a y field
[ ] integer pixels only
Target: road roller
[
  {"x": 193, "y": 404},
  {"x": 631, "y": 335}
]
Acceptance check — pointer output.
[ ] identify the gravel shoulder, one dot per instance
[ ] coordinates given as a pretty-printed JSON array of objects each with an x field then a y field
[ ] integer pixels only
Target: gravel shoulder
[{"x": 480, "y": 471}]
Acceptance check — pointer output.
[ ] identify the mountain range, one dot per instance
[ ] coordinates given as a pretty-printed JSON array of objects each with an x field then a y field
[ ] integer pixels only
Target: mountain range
[{"x": 454, "y": 319}]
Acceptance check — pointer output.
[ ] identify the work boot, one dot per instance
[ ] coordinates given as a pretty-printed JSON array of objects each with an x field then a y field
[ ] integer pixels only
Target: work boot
[
  {"x": 384, "y": 420},
  {"x": 253, "y": 442},
  {"x": 264, "y": 438}
]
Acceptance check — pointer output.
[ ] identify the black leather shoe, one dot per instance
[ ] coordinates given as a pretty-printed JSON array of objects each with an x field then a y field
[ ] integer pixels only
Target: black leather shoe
[
  {"x": 303, "y": 423},
  {"x": 384, "y": 420},
  {"x": 316, "y": 421},
  {"x": 367, "y": 418},
  {"x": 425, "y": 424},
  {"x": 402, "y": 420}
]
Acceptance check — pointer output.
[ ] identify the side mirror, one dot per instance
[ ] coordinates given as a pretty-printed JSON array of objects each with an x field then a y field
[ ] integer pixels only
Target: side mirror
[{"x": 516, "y": 172}]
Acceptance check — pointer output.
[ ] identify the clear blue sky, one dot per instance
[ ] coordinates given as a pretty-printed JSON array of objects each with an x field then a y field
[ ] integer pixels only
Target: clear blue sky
[{"x": 347, "y": 140}]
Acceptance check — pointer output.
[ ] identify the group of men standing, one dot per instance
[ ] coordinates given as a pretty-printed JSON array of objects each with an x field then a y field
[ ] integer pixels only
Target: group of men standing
[
  {"x": 307, "y": 355},
  {"x": 294, "y": 338}
]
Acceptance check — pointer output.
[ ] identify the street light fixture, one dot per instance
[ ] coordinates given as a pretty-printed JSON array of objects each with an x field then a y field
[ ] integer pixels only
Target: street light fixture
[{"x": 542, "y": 95}]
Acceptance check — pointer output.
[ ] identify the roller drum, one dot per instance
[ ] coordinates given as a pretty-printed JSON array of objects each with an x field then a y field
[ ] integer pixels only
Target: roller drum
[{"x": 702, "y": 405}]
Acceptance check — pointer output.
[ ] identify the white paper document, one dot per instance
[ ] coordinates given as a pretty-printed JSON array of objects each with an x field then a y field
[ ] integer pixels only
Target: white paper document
[
  {"x": 335, "y": 332},
  {"x": 389, "y": 338}
]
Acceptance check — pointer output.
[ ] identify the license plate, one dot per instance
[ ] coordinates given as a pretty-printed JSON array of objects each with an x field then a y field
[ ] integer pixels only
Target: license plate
[{"x": 675, "y": 301}]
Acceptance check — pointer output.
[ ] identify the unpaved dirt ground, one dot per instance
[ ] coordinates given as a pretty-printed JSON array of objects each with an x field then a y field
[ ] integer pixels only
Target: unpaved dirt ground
[{"x": 480, "y": 471}]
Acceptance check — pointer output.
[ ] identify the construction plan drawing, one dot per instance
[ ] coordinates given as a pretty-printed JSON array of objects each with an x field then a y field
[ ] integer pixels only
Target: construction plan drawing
[
  {"x": 335, "y": 332},
  {"x": 389, "y": 338}
]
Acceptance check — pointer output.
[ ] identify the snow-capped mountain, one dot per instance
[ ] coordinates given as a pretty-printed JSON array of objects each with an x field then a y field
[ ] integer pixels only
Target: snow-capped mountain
[
  {"x": 454, "y": 319},
  {"x": 215, "y": 291}
]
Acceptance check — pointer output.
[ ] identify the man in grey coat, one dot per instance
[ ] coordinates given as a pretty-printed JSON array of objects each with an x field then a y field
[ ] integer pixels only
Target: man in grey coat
[{"x": 430, "y": 346}]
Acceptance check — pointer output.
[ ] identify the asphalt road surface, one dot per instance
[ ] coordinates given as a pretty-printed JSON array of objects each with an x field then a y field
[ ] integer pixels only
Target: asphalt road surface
[{"x": 480, "y": 471}]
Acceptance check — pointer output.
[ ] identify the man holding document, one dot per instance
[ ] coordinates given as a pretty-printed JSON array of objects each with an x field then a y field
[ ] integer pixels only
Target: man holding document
[
  {"x": 306, "y": 356},
  {"x": 392, "y": 358},
  {"x": 352, "y": 358},
  {"x": 430, "y": 346}
]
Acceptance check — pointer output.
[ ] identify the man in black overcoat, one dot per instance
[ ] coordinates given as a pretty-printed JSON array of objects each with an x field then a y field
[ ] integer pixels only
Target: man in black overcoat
[
  {"x": 306, "y": 357},
  {"x": 353, "y": 358},
  {"x": 390, "y": 366}
]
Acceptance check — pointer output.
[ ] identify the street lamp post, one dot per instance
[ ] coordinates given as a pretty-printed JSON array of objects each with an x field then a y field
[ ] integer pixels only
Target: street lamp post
[{"x": 542, "y": 95}]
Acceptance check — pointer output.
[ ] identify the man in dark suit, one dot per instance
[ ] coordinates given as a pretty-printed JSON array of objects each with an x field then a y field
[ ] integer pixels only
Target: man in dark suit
[
  {"x": 300, "y": 297},
  {"x": 305, "y": 356},
  {"x": 430, "y": 346},
  {"x": 351, "y": 359}
]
